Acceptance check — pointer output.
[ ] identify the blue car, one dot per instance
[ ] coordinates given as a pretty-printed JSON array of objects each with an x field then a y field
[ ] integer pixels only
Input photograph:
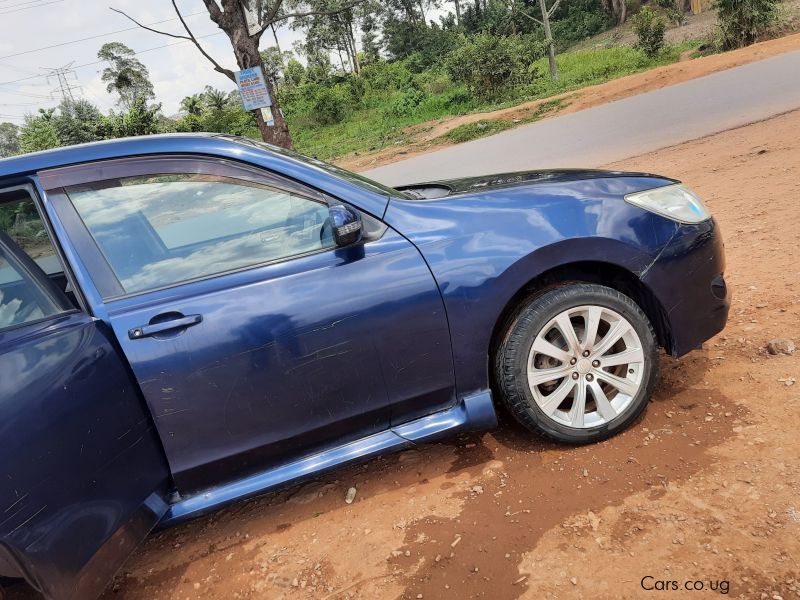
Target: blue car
[{"x": 190, "y": 320}]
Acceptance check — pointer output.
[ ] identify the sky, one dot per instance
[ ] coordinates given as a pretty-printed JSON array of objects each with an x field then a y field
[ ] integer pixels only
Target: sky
[
  {"x": 37, "y": 36},
  {"x": 176, "y": 67}
]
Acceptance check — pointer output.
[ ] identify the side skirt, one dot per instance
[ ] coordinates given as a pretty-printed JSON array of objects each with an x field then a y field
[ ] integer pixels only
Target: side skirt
[{"x": 469, "y": 414}]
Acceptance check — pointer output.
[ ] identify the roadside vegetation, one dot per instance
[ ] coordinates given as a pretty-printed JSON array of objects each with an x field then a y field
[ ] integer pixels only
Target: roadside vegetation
[{"x": 408, "y": 70}]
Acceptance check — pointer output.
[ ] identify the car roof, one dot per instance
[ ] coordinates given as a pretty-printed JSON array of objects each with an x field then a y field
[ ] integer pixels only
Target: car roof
[
  {"x": 329, "y": 179},
  {"x": 106, "y": 149}
]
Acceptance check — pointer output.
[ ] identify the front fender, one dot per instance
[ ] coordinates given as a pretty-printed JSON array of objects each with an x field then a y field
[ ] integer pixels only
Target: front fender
[{"x": 483, "y": 250}]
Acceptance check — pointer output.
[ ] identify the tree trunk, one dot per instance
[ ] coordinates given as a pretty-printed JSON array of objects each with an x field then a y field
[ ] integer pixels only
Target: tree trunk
[
  {"x": 458, "y": 11},
  {"x": 277, "y": 43},
  {"x": 421, "y": 4},
  {"x": 548, "y": 38},
  {"x": 245, "y": 49},
  {"x": 351, "y": 38},
  {"x": 619, "y": 11}
]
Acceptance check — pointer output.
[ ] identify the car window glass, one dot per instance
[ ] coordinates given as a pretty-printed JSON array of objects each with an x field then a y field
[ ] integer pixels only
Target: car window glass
[
  {"x": 20, "y": 220},
  {"x": 21, "y": 299},
  {"x": 159, "y": 230}
]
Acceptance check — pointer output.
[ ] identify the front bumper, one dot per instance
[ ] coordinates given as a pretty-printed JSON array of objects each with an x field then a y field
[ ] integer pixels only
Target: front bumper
[{"x": 688, "y": 280}]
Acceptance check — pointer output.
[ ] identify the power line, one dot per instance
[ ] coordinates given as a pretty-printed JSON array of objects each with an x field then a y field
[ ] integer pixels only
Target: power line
[
  {"x": 28, "y": 94},
  {"x": 15, "y": 68},
  {"x": 97, "y": 62},
  {"x": 8, "y": 12},
  {"x": 99, "y": 35},
  {"x": 21, "y": 4}
]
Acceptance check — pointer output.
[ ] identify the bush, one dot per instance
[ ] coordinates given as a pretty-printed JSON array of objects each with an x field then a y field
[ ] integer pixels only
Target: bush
[
  {"x": 649, "y": 28},
  {"x": 330, "y": 105},
  {"x": 405, "y": 103},
  {"x": 294, "y": 72},
  {"x": 487, "y": 63},
  {"x": 458, "y": 97},
  {"x": 385, "y": 75},
  {"x": 356, "y": 88},
  {"x": 742, "y": 22}
]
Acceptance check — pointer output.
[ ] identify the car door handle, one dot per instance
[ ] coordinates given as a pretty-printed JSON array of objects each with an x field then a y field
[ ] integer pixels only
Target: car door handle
[{"x": 155, "y": 328}]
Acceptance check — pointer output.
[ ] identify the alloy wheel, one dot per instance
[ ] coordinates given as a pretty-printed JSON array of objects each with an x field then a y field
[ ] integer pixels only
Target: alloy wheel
[{"x": 586, "y": 366}]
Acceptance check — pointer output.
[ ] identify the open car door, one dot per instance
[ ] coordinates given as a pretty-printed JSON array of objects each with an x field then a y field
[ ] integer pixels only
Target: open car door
[{"x": 82, "y": 472}]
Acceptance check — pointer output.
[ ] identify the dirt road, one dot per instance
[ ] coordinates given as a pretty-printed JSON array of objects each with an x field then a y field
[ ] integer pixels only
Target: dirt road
[{"x": 706, "y": 487}]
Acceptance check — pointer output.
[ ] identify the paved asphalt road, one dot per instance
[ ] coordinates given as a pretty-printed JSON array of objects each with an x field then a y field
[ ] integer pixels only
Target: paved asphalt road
[{"x": 619, "y": 129}]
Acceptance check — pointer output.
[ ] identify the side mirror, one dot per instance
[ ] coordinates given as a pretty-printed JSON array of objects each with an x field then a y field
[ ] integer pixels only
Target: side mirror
[{"x": 346, "y": 225}]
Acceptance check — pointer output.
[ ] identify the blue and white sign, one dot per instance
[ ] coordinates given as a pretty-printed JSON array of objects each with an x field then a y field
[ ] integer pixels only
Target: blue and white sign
[{"x": 253, "y": 88}]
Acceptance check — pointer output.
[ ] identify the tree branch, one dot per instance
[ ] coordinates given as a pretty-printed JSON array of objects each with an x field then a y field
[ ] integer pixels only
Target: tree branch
[
  {"x": 213, "y": 10},
  {"x": 272, "y": 14},
  {"x": 158, "y": 31},
  {"x": 524, "y": 14},
  {"x": 311, "y": 13},
  {"x": 553, "y": 8},
  {"x": 217, "y": 67}
]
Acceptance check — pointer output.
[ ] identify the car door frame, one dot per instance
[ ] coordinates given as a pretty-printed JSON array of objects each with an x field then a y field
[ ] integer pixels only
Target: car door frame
[
  {"x": 108, "y": 291},
  {"x": 38, "y": 543},
  {"x": 104, "y": 283}
]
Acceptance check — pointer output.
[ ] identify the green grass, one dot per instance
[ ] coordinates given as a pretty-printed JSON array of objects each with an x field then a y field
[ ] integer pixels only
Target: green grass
[
  {"x": 484, "y": 127},
  {"x": 590, "y": 67},
  {"x": 478, "y": 129},
  {"x": 373, "y": 127}
]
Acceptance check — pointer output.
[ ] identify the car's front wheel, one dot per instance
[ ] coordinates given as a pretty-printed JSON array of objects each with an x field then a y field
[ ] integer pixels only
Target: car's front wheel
[{"x": 578, "y": 363}]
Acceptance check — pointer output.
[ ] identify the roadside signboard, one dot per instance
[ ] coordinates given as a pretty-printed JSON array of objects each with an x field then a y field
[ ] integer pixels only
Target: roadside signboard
[{"x": 253, "y": 88}]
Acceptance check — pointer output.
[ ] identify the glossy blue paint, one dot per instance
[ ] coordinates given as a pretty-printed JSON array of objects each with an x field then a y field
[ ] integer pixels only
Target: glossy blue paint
[
  {"x": 682, "y": 279},
  {"x": 79, "y": 458},
  {"x": 473, "y": 413},
  {"x": 484, "y": 245},
  {"x": 281, "y": 370},
  {"x": 290, "y": 358}
]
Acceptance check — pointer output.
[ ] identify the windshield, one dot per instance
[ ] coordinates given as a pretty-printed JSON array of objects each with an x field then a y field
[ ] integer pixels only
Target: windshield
[{"x": 349, "y": 176}]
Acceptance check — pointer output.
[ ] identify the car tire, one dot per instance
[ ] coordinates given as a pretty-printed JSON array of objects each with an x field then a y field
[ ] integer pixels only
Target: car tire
[{"x": 566, "y": 386}]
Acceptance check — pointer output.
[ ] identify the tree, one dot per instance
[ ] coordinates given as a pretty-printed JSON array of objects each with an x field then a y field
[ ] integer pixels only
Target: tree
[
  {"x": 488, "y": 63},
  {"x": 193, "y": 105},
  {"x": 78, "y": 122},
  {"x": 125, "y": 75},
  {"x": 332, "y": 31},
  {"x": 139, "y": 119},
  {"x": 548, "y": 34},
  {"x": 458, "y": 11},
  {"x": 649, "y": 29},
  {"x": 295, "y": 72},
  {"x": 274, "y": 63},
  {"x": 742, "y": 22},
  {"x": 618, "y": 9},
  {"x": 9, "y": 139},
  {"x": 244, "y": 22},
  {"x": 38, "y": 132},
  {"x": 369, "y": 37},
  {"x": 404, "y": 26},
  {"x": 215, "y": 99}
]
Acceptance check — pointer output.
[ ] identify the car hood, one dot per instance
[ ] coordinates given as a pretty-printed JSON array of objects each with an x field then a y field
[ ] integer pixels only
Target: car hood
[{"x": 482, "y": 183}]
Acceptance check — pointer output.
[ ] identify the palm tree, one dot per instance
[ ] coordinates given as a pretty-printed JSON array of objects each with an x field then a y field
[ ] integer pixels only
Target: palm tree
[
  {"x": 215, "y": 99},
  {"x": 193, "y": 104}
]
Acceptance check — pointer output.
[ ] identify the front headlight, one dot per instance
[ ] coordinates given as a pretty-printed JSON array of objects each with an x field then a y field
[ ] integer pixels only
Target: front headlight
[{"x": 677, "y": 202}]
